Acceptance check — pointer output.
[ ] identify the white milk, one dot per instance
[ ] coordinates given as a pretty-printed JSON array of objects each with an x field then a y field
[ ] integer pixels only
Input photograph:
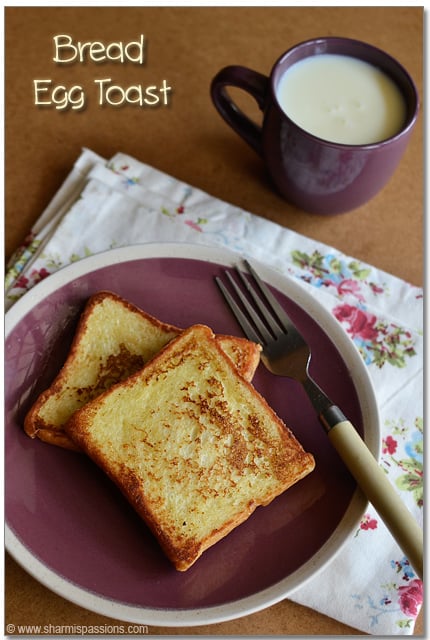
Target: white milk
[{"x": 342, "y": 99}]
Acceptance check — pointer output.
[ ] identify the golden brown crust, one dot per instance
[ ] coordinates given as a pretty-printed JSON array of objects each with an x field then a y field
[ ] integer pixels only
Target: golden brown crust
[
  {"x": 244, "y": 353},
  {"x": 117, "y": 367},
  {"x": 155, "y": 456},
  {"x": 58, "y": 438},
  {"x": 34, "y": 425}
]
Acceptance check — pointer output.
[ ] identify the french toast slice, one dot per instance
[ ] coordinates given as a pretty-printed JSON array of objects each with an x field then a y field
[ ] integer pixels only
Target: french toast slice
[
  {"x": 191, "y": 444},
  {"x": 113, "y": 340}
]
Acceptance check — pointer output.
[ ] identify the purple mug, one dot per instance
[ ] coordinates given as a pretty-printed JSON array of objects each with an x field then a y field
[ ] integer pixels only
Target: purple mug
[{"x": 316, "y": 175}]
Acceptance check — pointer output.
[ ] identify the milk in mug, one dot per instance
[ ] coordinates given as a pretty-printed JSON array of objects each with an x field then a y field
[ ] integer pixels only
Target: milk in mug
[{"x": 342, "y": 99}]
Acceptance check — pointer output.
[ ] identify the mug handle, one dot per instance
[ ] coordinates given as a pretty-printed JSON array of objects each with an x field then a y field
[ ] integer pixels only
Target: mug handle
[{"x": 256, "y": 84}]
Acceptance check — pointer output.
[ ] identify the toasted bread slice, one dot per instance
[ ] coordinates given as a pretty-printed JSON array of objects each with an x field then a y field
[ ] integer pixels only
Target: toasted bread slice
[
  {"x": 191, "y": 444},
  {"x": 113, "y": 340}
]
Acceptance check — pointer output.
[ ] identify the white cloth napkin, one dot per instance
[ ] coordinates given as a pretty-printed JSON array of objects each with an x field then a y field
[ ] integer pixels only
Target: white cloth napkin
[{"x": 106, "y": 204}]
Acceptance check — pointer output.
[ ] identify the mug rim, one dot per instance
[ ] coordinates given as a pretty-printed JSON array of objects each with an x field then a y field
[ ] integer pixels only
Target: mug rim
[{"x": 410, "y": 122}]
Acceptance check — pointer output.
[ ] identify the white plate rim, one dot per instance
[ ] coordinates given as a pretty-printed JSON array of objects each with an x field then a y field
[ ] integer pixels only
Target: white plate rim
[{"x": 367, "y": 400}]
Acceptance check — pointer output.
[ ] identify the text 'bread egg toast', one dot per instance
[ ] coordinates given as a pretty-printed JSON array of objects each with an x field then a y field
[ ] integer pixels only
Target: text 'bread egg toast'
[{"x": 191, "y": 444}]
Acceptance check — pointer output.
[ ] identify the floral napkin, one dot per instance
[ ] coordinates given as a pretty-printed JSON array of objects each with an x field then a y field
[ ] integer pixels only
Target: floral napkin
[{"x": 106, "y": 204}]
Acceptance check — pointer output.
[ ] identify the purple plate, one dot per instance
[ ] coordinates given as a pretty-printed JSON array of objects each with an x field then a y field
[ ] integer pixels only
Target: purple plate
[{"x": 69, "y": 526}]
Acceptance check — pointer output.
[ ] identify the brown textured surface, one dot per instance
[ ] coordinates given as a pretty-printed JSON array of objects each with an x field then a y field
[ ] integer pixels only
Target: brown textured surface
[{"x": 187, "y": 46}]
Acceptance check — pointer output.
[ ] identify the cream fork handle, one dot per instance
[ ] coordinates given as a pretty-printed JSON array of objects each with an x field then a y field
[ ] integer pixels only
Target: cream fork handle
[{"x": 378, "y": 489}]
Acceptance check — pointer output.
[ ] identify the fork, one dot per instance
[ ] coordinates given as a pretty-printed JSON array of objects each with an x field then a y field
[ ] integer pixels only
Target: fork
[{"x": 286, "y": 353}]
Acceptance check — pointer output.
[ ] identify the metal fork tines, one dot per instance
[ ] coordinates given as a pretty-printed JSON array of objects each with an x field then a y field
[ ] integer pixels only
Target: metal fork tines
[
  {"x": 263, "y": 320},
  {"x": 286, "y": 353}
]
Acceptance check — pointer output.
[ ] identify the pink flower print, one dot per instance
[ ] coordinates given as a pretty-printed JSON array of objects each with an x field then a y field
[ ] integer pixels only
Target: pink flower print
[
  {"x": 368, "y": 523},
  {"x": 39, "y": 275},
  {"x": 375, "y": 289},
  {"x": 196, "y": 225},
  {"x": 22, "y": 282},
  {"x": 411, "y": 597},
  {"x": 28, "y": 239},
  {"x": 361, "y": 323},
  {"x": 193, "y": 225},
  {"x": 389, "y": 445},
  {"x": 349, "y": 286}
]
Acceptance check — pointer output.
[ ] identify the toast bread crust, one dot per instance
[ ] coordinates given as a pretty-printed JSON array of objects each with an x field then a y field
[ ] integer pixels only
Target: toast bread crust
[
  {"x": 94, "y": 364},
  {"x": 191, "y": 444}
]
